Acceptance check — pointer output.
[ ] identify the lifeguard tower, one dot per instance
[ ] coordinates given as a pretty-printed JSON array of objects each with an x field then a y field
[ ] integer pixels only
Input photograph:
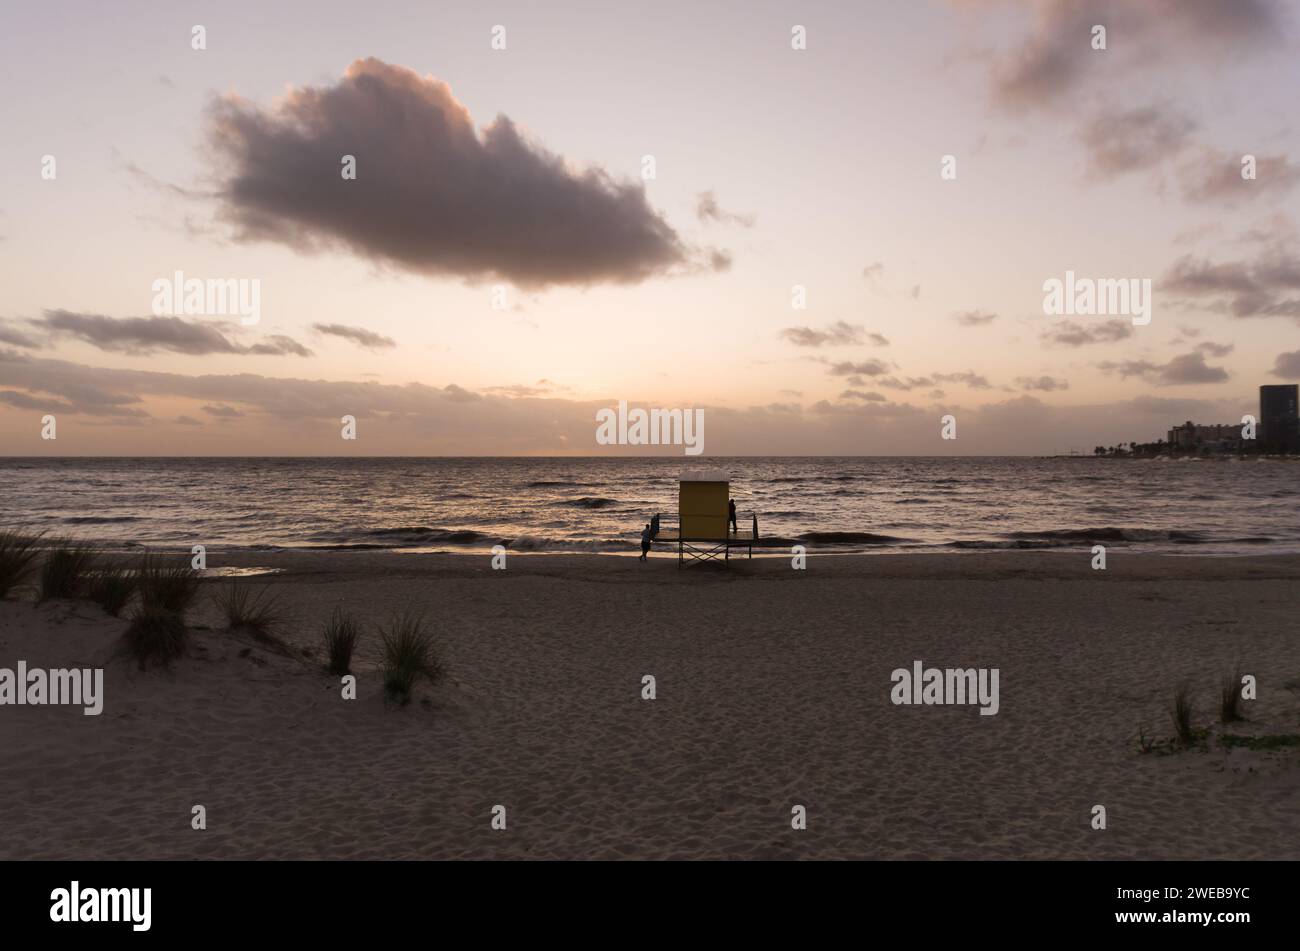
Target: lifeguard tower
[{"x": 703, "y": 531}]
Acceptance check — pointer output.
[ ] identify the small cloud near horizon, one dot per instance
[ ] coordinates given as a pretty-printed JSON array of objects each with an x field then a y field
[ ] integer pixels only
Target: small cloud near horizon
[
  {"x": 840, "y": 333},
  {"x": 141, "y": 336},
  {"x": 367, "y": 339}
]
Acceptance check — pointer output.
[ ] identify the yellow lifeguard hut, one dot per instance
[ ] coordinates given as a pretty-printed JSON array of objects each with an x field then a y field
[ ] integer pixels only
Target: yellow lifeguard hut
[{"x": 703, "y": 530}]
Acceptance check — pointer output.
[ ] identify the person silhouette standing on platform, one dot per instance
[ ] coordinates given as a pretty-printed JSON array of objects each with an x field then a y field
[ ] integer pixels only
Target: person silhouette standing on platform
[{"x": 731, "y": 514}]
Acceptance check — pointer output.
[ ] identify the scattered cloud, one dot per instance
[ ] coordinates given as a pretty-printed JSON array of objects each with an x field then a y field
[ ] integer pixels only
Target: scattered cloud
[
  {"x": 222, "y": 411},
  {"x": 1266, "y": 287},
  {"x": 1068, "y": 333},
  {"x": 1215, "y": 177},
  {"x": 867, "y": 397},
  {"x": 1056, "y": 58},
  {"x": 974, "y": 380},
  {"x": 140, "y": 336},
  {"x": 865, "y": 368},
  {"x": 906, "y": 383},
  {"x": 522, "y": 391},
  {"x": 1119, "y": 142},
  {"x": 975, "y": 318},
  {"x": 838, "y": 334},
  {"x": 1188, "y": 368},
  {"x": 17, "y": 338},
  {"x": 358, "y": 335},
  {"x": 301, "y": 416},
  {"x": 1287, "y": 365},
  {"x": 709, "y": 211},
  {"x": 1046, "y": 384}
]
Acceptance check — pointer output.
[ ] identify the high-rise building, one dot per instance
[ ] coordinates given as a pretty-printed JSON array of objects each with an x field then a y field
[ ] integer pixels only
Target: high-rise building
[{"x": 1279, "y": 418}]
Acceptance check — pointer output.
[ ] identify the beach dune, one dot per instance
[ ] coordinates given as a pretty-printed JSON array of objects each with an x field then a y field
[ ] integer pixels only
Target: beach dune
[{"x": 772, "y": 690}]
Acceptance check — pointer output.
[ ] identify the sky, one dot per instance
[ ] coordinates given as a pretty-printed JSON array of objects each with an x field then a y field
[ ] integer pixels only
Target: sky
[{"x": 828, "y": 225}]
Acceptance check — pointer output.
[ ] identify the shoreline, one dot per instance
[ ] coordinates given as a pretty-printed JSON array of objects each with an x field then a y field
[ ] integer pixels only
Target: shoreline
[{"x": 1078, "y": 548}]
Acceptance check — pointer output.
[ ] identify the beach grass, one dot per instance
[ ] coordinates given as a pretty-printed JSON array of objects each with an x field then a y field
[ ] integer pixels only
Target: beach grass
[
  {"x": 1181, "y": 712},
  {"x": 408, "y": 655},
  {"x": 67, "y": 569},
  {"x": 255, "y": 610},
  {"x": 1271, "y": 741},
  {"x": 342, "y": 631},
  {"x": 168, "y": 587},
  {"x": 18, "y": 554},
  {"x": 155, "y": 634},
  {"x": 1230, "y": 698},
  {"x": 111, "y": 587}
]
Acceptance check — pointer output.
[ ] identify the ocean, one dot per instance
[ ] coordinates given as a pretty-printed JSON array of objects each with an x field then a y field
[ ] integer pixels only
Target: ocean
[{"x": 1221, "y": 506}]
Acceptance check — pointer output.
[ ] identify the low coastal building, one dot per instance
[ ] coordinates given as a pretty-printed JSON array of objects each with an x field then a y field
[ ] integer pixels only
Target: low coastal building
[{"x": 1218, "y": 437}]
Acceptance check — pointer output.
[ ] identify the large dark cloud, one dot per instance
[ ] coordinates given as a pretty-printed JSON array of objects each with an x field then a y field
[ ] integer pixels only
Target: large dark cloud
[
  {"x": 431, "y": 195},
  {"x": 144, "y": 335}
]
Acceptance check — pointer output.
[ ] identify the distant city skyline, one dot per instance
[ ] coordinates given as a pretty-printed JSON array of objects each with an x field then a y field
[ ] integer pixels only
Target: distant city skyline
[{"x": 473, "y": 231}]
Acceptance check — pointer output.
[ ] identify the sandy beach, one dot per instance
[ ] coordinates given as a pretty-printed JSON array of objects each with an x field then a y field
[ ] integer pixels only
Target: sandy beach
[{"x": 772, "y": 690}]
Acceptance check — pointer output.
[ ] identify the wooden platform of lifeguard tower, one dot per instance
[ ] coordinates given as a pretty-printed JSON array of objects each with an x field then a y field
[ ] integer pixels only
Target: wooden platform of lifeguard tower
[
  {"x": 705, "y": 549},
  {"x": 703, "y": 531}
]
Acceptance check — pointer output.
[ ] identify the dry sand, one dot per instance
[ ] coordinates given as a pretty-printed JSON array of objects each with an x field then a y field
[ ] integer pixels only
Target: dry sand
[{"x": 773, "y": 690}]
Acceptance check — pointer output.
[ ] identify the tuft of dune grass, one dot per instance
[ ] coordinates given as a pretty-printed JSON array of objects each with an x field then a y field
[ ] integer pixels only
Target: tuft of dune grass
[
  {"x": 67, "y": 568},
  {"x": 408, "y": 655},
  {"x": 341, "y": 635},
  {"x": 254, "y": 610},
  {"x": 17, "y": 558},
  {"x": 168, "y": 587},
  {"x": 1230, "y": 698},
  {"x": 155, "y": 635},
  {"x": 111, "y": 587},
  {"x": 1181, "y": 712}
]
